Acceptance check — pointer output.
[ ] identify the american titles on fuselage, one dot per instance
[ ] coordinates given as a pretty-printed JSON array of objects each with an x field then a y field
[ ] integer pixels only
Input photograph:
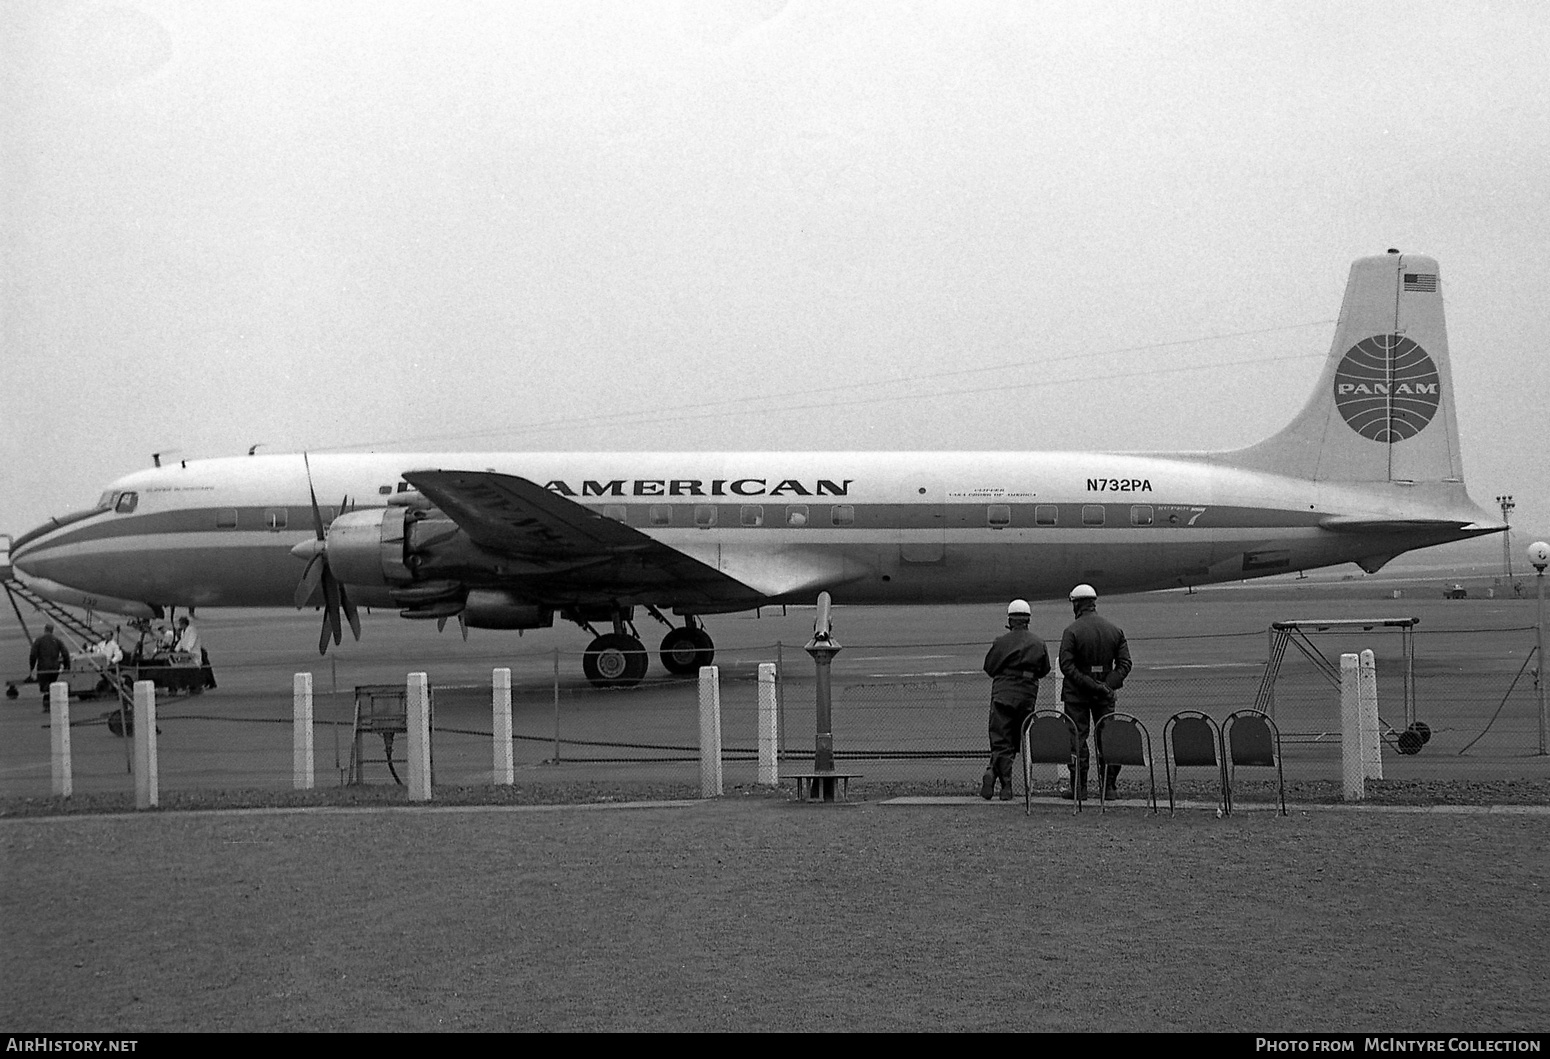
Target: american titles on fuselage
[{"x": 700, "y": 487}]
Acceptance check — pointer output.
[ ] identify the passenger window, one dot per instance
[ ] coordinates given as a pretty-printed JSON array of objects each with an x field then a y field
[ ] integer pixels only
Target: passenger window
[
  {"x": 661, "y": 514},
  {"x": 615, "y": 512},
  {"x": 751, "y": 515},
  {"x": 998, "y": 516},
  {"x": 1046, "y": 515},
  {"x": 705, "y": 515},
  {"x": 275, "y": 518},
  {"x": 126, "y": 503},
  {"x": 796, "y": 515},
  {"x": 1141, "y": 515},
  {"x": 1092, "y": 514},
  {"x": 226, "y": 519},
  {"x": 843, "y": 514}
]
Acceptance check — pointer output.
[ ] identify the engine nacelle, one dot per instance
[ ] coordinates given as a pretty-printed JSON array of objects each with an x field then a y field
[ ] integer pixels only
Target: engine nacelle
[
  {"x": 367, "y": 547},
  {"x": 489, "y": 608}
]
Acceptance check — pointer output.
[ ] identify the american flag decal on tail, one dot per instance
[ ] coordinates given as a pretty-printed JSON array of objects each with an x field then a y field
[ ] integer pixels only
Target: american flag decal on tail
[{"x": 1422, "y": 282}]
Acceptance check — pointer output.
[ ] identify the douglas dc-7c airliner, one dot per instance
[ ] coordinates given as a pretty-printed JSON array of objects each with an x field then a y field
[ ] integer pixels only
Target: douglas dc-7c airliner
[{"x": 1370, "y": 468}]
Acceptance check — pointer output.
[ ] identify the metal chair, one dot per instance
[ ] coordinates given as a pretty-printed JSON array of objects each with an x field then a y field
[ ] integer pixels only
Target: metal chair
[
  {"x": 1191, "y": 738},
  {"x": 1049, "y": 738},
  {"x": 1121, "y": 739},
  {"x": 1253, "y": 739}
]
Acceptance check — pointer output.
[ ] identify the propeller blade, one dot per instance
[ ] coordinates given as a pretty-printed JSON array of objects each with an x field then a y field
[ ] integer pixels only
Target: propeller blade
[
  {"x": 462, "y": 623},
  {"x": 323, "y": 637},
  {"x": 331, "y": 605},
  {"x": 311, "y": 577},
  {"x": 317, "y": 516},
  {"x": 441, "y": 623},
  {"x": 350, "y": 613}
]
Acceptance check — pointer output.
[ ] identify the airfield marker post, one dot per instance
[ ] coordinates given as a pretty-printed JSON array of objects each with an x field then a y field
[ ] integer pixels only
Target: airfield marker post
[
  {"x": 59, "y": 738},
  {"x": 303, "y": 773},
  {"x": 710, "y": 732},
  {"x": 769, "y": 767},
  {"x": 1352, "y": 776},
  {"x": 505, "y": 772},
  {"x": 1367, "y": 700},
  {"x": 147, "y": 791},
  {"x": 417, "y": 702},
  {"x": 556, "y": 758}
]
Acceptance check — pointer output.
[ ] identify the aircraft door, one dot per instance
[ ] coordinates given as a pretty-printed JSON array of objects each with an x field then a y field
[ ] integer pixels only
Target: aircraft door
[{"x": 922, "y": 520}]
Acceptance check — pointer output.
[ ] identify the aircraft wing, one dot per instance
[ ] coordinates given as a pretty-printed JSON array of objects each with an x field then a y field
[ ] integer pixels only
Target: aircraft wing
[{"x": 515, "y": 517}]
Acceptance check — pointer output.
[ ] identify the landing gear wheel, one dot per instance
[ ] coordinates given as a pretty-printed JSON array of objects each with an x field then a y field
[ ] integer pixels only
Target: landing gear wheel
[
  {"x": 686, "y": 650},
  {"x": 615, "y": 660}
]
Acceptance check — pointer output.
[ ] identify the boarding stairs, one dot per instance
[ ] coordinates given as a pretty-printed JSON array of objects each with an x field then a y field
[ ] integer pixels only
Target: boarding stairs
[{"x": 80, "y": 632}]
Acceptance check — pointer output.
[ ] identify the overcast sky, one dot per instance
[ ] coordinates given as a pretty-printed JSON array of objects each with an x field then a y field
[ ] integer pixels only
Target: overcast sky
[{"x": 748, "y": 225}]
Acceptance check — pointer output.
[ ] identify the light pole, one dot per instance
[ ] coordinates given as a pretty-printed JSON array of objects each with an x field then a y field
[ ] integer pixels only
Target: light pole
[
  {"x": 1539, "y": 555},
  {"x": 1506, "y": 504}
]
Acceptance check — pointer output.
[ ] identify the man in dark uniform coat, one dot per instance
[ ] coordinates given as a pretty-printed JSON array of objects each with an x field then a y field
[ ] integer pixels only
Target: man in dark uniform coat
[
  {"x": 1015, "y": 662},
  {"x": 1094, "y": 661},
  {"x": 50, "y": 658}
]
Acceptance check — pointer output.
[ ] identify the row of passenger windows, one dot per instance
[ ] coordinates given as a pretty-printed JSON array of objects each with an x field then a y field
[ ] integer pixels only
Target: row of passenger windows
[
  {"x": 706, "y": 515},
  {"x": 997, "y": 516}
]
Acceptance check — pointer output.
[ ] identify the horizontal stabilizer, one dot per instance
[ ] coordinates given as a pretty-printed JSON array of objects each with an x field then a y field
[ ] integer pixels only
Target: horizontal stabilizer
[{"x": 1358, "y": 524}]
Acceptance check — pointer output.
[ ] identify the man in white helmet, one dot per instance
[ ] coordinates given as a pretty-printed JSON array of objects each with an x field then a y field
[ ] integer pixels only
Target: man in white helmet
[
  {"x": 1094, "y": 661},
  {"x": 1016, "y": 662}
]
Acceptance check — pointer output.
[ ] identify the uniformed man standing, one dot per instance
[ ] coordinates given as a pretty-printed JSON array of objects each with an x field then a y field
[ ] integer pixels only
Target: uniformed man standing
[
  {"x": 1094, "y": 660},
  {"x": 50, "y": 658},
  {"x": 1016, "y": 662}
]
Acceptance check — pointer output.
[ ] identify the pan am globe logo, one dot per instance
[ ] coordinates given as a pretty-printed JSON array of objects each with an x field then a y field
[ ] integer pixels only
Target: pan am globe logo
[{"x": 1387, "y": 388}]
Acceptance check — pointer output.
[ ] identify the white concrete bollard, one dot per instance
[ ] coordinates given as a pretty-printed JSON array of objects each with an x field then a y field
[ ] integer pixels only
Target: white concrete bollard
[
  {"x": 418, "y": 707},
  {"x": 59, "y": 738},
  {"x": 1367, "y": 700},
  {"x": 147, "y": 788},
  {"x": 769, "y": 727},
  {"x": 505, "y": 771},
  {"x": 710, "y": 732},
  {"x": 303, "y": 772},
  {"x": 1351, "y": 772}
]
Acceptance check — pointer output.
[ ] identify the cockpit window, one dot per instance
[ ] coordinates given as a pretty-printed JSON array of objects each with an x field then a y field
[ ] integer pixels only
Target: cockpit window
[
  {"x": 126, "y": 503},
  {"x": 105, "y": 501}
]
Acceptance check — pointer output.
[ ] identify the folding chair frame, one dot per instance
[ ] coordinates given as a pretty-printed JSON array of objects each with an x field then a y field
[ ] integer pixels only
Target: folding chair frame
[
  {"x": 1275, "y": 749},
  {"x": 1171, "y": 764},
  {"x": 1103, "y": 725},
  {"x": 1070, "y": 761}
]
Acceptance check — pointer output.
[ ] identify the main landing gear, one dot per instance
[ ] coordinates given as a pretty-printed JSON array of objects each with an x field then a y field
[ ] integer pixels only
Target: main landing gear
[{"x": 619, "y": 659}]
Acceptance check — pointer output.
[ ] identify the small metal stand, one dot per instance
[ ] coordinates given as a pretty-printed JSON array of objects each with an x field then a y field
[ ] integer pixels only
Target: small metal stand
[
  {"x": 380, "y": 709},
  {"x": 823, "y": 783}
]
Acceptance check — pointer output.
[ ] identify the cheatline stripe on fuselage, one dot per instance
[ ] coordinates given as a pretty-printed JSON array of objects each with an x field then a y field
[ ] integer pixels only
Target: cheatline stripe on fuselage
[
  {"x": 965, "y": 518},
  {"x": 270, "y": 541}
]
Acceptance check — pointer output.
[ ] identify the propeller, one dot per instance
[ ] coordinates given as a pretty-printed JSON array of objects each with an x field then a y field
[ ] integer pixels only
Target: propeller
[
  {"x": 462, "y": 623},
  {"x": 317, "y": 573}
]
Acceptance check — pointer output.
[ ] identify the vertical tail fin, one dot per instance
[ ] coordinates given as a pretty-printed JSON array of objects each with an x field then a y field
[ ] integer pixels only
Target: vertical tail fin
[{"x": 1383, "y": 408}]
